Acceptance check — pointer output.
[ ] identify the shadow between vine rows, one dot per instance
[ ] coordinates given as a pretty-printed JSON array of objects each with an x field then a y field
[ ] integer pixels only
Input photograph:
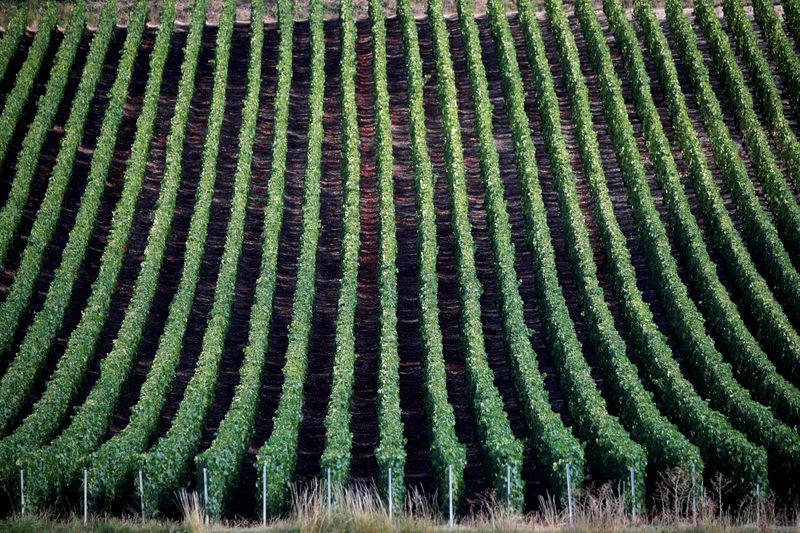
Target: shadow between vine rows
[
  {"x": 418, "y": 473},
  {"x": 322, "y": 340}
]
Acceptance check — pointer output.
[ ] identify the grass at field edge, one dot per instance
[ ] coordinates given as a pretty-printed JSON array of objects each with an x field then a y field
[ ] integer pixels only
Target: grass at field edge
[{"x": 334, "y": 523}]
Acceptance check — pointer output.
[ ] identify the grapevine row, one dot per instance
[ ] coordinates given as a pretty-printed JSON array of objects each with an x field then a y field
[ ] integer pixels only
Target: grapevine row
[
  {"x": 167, "y": 464},
  {"x": 338, "y": 437},
  {"x": 56, "y": 466},
  {"x": 791, "y": 12},
  {"x": 28, "y": 157},
  {"x": 224, "y": 457},
  {"x": 723, "y": 448},
  {"x": 764, "y": 89},
  {"x": 555, "y": 446},
  {"x": 15, "y": 104},
  {"x": 279, "y": 454},
  {"x": 21, "y": 288},
  {"x": 666, "y": 447},
  {"x": 780, "y": 199},
  {"x": 390, "y": 452},
  {"x": 12, "y": 36},
  {"x": 610, "y": 451},
  {"x": 782, "y": 51},
  {"x": 761, "y": 235},
  {"x": 53, "y": 406},
  {"x": 184, "y": 437},
  {"x": 110, "y": 465},
  {"x": 447, "y": 454},
  {"x": 774, "y": 330},
  {"x": 41, "y": 334},
  {"x": 501, "y": 451},
  {"x": 709, "y": 441},
  {"x": 706, "y": 366},
  {"x": 751, "y": 365}
]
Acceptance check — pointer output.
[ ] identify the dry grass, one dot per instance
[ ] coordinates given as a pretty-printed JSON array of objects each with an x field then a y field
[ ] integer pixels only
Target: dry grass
[
  {"x": 192, "y": 511},
  {"x": 360, "y": 508}
]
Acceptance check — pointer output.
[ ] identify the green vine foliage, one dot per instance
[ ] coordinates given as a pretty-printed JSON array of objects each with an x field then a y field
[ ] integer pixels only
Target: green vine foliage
[
  {"x": 711, "y": 372},
  {"x": 47, "y": 106},
  {"x": 338, "y": 437},
  {"x": 111, "y": 464},
  {"x": 14, "y": 31},
  {"x": 555, "y": 446},
  {"x": 761, "y": 236},
  {"x": 166, "y": 466},
  {"x": 775, "y": 330},
  {"x": 224, "y": 457},
  {"x": 673, "y": 426},
  {"x": 781, "y": 49},
  {"x": 723, "y": 448},
  {"x": 446, "y": 452},
  {"x": 765, "y": 91},
  {"x": 751, "y": 364},
  {"x": 791, "y": 12},
  {"x": 22, "y": 285},
  {"x": 21, "y": 288},
  {"x": 704, "y": 363},
  {"x": 502, "y": 452},
  {"x": 609, "y": 450},
  {"x": 58, "y": 465},
  {"x": 666, "y": 447},
  {"x": 41, "y": 334},
  {"x": 390, "y": 453},
  {"x": 279, "y": 454},
  {"x": 14, "y": 105},
  {"x": 779, "y": 197}
]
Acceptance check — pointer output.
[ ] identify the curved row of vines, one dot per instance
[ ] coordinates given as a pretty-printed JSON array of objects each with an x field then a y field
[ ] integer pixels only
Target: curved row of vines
[{"x": 681, "y": 290}]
